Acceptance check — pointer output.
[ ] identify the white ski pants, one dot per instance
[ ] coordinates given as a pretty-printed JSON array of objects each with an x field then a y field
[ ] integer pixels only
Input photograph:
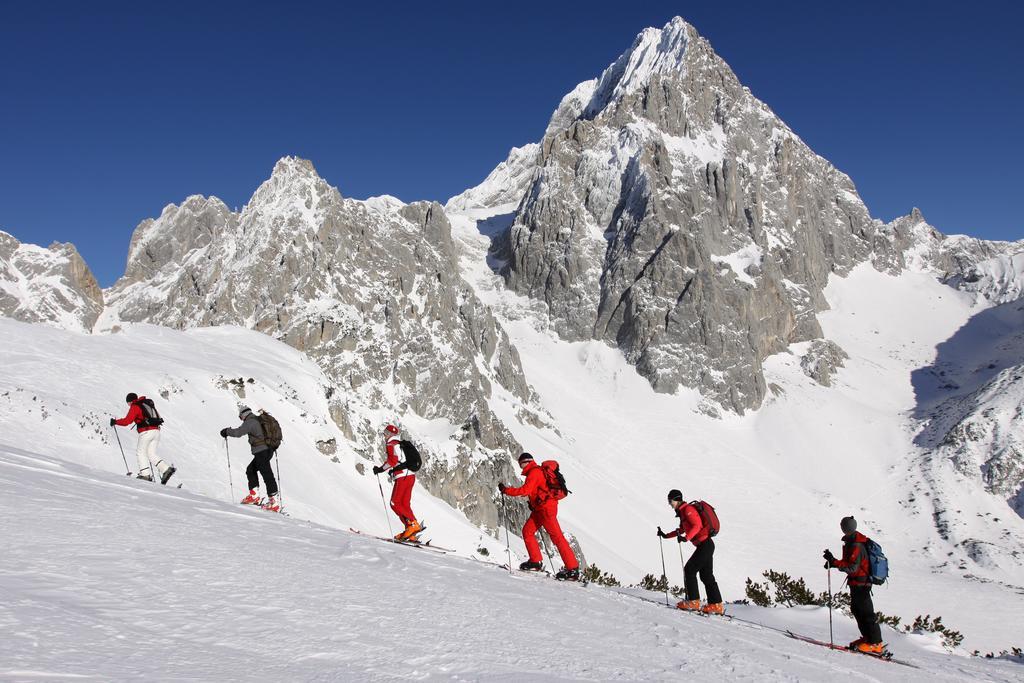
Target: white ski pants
[{"x": 146, "y": 452}]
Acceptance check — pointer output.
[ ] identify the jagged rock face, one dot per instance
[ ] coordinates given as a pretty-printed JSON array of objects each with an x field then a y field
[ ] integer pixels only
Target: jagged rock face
[
  {"x": 52, "y": 285},
  {"x": 956, "y": 259},
  {"x": 673, "y": 214},
  {"x": 504, "y": 186},
  {"x": 370, "y": 290},
  {"x": 821, "y": 361}
]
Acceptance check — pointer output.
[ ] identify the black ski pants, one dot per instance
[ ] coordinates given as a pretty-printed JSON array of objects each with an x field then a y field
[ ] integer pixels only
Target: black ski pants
[
  {"x": 261, "y": 463},
  {"x": 702, "y": 562},
  {"x": 864, "y": 612}
]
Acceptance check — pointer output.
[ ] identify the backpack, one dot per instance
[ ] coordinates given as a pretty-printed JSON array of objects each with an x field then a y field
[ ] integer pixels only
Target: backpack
[
  {"x": 272, "y": 436},
  {"x": 413, "y": 461},
  {"x": 708, "y": 517},
  {"x": 878, "y": 563},
  {"x": 554, "y": 480},
  {"x": 150, "y": 415}
]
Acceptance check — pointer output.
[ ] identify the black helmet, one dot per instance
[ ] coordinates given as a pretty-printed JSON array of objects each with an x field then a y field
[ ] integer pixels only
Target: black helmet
[
  {"x": 848, "y": 525},
  {"x": 131, "y": 398},
  {"x": 675, "y": 494}
]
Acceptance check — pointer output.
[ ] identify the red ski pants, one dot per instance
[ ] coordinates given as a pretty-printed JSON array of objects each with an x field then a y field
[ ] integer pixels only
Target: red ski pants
[
  {"x": 401, "y": 497},
  {"x": 546, "y": 516}
]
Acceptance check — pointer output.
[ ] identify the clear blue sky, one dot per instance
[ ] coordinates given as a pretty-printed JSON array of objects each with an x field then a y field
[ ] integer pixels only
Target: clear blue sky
[{"x": 109, "y": 110}]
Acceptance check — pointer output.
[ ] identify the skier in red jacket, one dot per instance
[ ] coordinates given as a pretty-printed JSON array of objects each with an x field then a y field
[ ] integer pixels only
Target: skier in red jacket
[
  {"x": 855, "y": 565},
  {"x": 402, "y": 482},
  {"x": 146, "y": 420},
  {"x": 701, "y": 561},
  {"x": 543, "y": 513}
]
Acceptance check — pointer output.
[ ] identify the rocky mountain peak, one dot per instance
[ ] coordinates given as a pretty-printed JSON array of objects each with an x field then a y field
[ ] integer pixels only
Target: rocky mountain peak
[
  {"x": 52, "y": 285},
  {"x": 655, "y": 51}
]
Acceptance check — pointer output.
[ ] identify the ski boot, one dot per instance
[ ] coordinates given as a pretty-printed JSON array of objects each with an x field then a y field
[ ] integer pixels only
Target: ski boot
[
  {"x": 871, "y": 649},
  {"x": 273, "y": 504},
  {"x": 713, "y": 608},
  {"x": 252, "y": 499},
  {"x": 167, "y": 474},
  {"x": 855, "y": 644},
  {"x": 568, "y": 574},
  {"x": 144, "y": 477},
  {"x": 689, "y": 605},
  {"x": 411, "y": 533},
  {"x": 529, "y": 566}
]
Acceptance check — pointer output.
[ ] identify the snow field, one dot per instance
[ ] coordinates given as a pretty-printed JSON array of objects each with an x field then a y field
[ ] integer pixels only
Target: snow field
[{"x": 113, "y": 579}]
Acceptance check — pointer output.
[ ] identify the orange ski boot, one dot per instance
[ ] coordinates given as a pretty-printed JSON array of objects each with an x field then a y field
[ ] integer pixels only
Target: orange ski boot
[
  {"x": 871, "y": 649},
  {"x": 713, "y": 608},
  {"x": 689, "y": 605},
  {"x": 411, "y": 531}
]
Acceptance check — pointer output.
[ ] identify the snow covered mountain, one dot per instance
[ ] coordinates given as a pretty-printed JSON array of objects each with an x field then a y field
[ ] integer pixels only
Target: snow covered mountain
[
  {"x": 671, "y": 213},
  {"x": 51, "y": 285}
]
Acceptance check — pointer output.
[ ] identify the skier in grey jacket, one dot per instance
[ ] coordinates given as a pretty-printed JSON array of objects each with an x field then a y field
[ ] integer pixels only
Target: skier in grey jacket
[{"x": 261, "y": 456}]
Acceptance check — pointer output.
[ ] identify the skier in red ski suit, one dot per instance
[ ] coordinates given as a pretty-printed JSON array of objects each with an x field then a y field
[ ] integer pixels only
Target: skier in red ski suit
[
  {"x": 403, "y": 481},
  {"x": 543, "y": 513}
]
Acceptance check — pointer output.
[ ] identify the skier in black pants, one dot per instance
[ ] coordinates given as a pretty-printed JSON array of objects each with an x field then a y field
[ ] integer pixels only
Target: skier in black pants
[
  {"x": 701, "y": 562},
  {"x": 261, "y": 456},
  {"x": 857, "y": 568}
]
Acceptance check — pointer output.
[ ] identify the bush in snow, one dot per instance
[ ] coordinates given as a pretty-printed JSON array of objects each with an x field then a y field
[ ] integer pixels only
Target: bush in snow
[
  {"x": 594, "y": 575},
  {"x": 788, "y": 591},
  {"x": 950, "y": 639}
]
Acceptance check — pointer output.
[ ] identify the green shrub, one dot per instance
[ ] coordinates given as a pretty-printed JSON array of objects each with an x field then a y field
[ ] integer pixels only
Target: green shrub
[
  {"x": 594, "y": 575},
  {"x": 950, "y": 639}
]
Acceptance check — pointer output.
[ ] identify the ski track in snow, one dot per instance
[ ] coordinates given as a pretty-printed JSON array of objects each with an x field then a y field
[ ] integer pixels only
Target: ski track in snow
[{"x": 112, "y": 579}]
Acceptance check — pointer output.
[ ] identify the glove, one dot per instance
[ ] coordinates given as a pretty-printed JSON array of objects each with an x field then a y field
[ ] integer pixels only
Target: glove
[
  {"x": 829, "y": 558},
  {"x": 112, "y": 422},
  {"x": 501, "y": 489},
  {"x": 681, "y": 538},
  {"x": 224, "y": 433},
  {"x": 661, "y": 534},
  {"x": 377, "y": 469}
]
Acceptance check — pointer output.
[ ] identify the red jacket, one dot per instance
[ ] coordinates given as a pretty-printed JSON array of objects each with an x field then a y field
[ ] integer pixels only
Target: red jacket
[
  {"x": 393, "y": 448},
  {"x": 135, "y": 416},
  {"x": 535, "y": 487},
  {"x": 855, "y": 560},
  {"x": 690, "y": 525}
]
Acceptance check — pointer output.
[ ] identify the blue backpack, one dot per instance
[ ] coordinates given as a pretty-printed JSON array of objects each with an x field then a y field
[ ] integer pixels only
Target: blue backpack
[{"x": 878, "y": 564}]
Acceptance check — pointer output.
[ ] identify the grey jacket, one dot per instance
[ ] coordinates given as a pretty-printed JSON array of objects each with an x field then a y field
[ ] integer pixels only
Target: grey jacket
[{"x": 251, "y": 428}]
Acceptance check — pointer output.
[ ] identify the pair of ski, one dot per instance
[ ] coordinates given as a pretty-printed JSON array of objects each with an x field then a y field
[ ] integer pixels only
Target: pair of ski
[
  {"x": 262, "y": 505},
  {"x": 885, "y": 655},
  {"x": 540, "y": 572},
  {"x": 423, "y": 545}
]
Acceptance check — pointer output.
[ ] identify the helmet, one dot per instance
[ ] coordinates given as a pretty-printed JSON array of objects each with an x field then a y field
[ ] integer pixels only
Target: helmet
[
  {"x": 675, "y": 494},
  {"x": 390, "y": 431},
  {"x": 525, "y": 458},
  {"x": 131, "y": 398}
]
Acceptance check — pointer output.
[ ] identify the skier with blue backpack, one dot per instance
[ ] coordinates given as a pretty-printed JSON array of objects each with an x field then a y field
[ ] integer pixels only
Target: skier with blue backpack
[{"x": 864, "y": 566}]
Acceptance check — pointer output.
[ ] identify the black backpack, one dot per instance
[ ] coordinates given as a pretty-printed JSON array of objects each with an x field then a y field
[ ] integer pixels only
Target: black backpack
[
  {"x": 413, "y": 461},
  {"x": 272, "y": 436},
  {"x": 150, "y": 415}
]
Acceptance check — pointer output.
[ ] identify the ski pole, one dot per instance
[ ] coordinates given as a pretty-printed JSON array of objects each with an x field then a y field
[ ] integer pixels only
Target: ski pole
[
  {"x": 227, "y": 454},
  {"x": 280, "y": 493},
  {"x": 831, "y": 641},
  {"x": 386, "y": 517},
  {"x": 508, "y": 545},
  {"x": 545, "y": 537},
  {"x": 661, "y": 549},
  {"x": 128, "y": 471}
]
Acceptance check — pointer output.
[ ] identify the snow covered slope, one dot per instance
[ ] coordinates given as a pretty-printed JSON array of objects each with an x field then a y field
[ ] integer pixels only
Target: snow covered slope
[
  {"x": 60, "y": 388},
  {"x": 113, "y": 579}
]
